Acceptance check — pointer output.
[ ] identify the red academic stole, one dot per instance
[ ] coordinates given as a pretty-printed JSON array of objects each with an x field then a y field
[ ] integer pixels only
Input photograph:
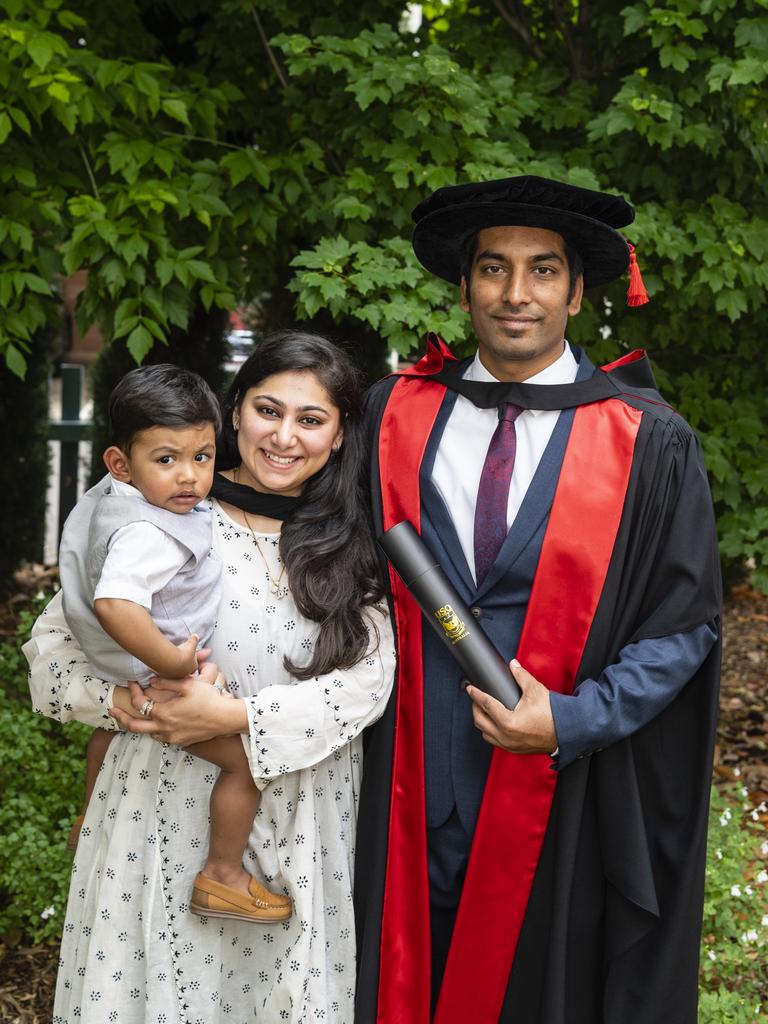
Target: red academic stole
[{"x": 518, "y": 794}]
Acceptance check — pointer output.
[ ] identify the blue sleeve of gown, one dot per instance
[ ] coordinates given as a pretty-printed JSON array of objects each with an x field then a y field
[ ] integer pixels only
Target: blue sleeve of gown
[{"x": 648, "y": 675}]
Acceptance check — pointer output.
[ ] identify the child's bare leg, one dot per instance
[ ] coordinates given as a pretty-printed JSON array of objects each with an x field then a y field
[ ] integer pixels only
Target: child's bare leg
[
  {"x": 95, "y": 753},
  {"x": 234, "y": 802}
]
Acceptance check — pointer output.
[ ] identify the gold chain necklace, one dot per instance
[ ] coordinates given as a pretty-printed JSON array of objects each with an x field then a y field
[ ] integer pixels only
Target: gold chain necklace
[{"x": 274, "y": 585}]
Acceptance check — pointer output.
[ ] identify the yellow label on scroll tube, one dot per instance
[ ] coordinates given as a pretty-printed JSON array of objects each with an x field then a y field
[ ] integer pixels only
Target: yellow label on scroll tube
[{"x": 454, "y": 628}]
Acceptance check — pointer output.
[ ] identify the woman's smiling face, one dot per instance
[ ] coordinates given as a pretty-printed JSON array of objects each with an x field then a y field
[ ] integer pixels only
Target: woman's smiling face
[{"x": 287, "y": 426}]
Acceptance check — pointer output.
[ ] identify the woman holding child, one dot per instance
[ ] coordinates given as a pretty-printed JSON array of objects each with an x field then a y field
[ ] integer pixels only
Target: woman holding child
[{"x": 307, "y": 652}]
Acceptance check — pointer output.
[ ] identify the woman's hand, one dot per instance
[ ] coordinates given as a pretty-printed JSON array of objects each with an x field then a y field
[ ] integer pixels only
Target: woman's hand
[
  {"x": 124, "y": 700},
  {"x": 131, "y": 698},
  {"x": 186, "y": 710},
  {"x": 160, "y": 693},
  {"x": 151, "y": 692}
]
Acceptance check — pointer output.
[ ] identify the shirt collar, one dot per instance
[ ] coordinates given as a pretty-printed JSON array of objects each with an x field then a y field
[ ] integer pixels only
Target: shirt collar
[
  {"x": 562, "y": 371},
  {"x": 124, "y": 490}
]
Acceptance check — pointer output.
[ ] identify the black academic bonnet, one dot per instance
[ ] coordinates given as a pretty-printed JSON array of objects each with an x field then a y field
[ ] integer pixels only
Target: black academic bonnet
[{"x": 586, "y": 219}]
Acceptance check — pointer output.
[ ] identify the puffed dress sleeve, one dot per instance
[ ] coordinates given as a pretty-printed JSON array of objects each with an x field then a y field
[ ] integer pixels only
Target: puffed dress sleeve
[
  {"x": 61, "y": 682},
  {"x": 297, "y": 725}
]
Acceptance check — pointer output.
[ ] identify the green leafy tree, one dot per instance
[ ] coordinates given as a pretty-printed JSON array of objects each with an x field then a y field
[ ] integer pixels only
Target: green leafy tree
[
  {"x": 665, "y": 103},
  {"x": 191, "y": 155},
  {"x": 89, "y": 186}
]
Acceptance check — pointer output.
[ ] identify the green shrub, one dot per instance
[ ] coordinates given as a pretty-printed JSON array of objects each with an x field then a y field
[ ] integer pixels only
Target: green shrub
[
  {"x": 735, "y": 927},
  {"x": 42, "y": 771}
]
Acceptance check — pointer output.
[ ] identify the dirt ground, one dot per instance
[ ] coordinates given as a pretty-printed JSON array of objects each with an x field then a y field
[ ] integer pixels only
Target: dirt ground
[
  {"x": 27, "y": 975},
  {"x": 742, "y": 735}
]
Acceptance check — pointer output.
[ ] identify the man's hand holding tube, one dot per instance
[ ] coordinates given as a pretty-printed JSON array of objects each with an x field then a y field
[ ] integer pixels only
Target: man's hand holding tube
[{"x": 529, "y": 729}]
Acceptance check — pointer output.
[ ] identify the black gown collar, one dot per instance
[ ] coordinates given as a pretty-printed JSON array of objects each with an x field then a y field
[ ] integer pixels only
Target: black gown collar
[
  {"x": 632, "y": 371},
  {"x": 635, "y": 374},
  {"x": 490, "y": 394}
]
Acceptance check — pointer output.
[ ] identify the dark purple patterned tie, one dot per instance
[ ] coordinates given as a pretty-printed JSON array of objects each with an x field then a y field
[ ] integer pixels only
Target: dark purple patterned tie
[{"x": 493, "y": 493}]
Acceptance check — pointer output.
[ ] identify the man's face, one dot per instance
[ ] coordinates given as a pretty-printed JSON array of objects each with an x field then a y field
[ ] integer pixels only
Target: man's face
[{"x": 518, "y": 299}]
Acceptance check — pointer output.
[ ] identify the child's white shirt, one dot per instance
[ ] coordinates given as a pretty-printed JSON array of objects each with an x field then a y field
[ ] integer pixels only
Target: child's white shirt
[{"x": 141, "y": 558}]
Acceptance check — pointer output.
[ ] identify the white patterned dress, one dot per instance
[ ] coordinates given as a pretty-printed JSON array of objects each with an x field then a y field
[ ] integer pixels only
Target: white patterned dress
[{"x": 131, "y": 951}]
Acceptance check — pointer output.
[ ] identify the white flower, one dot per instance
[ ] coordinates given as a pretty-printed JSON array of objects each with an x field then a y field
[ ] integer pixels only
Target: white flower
[
  {"x": 755, "y": 816},
  {"x": 712, "y": 954},
  {"x": 764, "y": 921},
  {"x": 762, "y": 807},
  {"x": 48, "y": 912},
  {"x": 744, "y": 791},
  {"x": 737, "y": 772},
  {"x": 762, "y": 876},
  {"x": 719, "y": 853},
  {"x": 735, "y": 890},
  {"x": 764, "y": 848},
  {"x": 747, "y": 890},
  {"x": 750, "y": 936}
]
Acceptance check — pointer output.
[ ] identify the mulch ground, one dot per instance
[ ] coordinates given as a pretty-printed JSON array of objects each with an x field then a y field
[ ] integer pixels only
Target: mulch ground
[
  {"x": 742, "y": 735},
  {"x": 27, "y": 986},
  {"x": 27, "y": 975}
]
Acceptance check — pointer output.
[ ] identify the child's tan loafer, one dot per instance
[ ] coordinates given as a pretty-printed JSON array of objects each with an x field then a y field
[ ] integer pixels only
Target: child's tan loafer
[{"x": 212, "y": 899}]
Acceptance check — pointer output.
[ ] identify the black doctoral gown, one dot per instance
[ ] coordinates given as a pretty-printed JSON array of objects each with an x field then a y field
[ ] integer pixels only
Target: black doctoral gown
[{"x": 612, "y": 927}]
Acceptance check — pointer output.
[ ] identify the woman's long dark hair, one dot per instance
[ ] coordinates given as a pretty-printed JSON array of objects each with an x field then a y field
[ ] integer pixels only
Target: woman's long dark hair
[{"x": 326, "y": 544}]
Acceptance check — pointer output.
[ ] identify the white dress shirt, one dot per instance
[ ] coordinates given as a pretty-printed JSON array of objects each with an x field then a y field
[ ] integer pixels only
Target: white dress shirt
[{"x": 464, "y": 444}]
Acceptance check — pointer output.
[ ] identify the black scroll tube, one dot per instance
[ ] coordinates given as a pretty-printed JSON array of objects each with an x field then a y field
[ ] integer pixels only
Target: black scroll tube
[{"x": 448, "y": 615}]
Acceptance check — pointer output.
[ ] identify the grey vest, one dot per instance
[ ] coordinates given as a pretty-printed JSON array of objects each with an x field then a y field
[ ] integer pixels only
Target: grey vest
[{"x": 187, "y": 604}]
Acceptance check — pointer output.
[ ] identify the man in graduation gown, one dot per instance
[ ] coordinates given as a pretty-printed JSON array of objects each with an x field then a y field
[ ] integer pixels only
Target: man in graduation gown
[{"x": 543, "y": 865}]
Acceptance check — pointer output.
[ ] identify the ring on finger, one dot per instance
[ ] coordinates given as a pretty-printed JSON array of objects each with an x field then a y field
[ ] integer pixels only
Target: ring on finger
[{"x": 146, "y": 708}]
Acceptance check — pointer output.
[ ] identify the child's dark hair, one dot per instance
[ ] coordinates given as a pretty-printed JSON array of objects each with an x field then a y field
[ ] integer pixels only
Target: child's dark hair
[{"x": 159, "y": 396}]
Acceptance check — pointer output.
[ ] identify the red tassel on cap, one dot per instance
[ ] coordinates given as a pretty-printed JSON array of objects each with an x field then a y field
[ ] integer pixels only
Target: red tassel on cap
[{"x": 636, "y": 293}]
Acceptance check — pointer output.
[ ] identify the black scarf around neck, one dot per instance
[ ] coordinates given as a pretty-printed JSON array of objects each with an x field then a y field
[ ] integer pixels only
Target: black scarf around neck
[{"x": 255, "y": 503}]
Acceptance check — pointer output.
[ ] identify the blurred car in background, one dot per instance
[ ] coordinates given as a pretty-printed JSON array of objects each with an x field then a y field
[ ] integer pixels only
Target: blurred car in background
[{"x": 240, "y": 345}]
